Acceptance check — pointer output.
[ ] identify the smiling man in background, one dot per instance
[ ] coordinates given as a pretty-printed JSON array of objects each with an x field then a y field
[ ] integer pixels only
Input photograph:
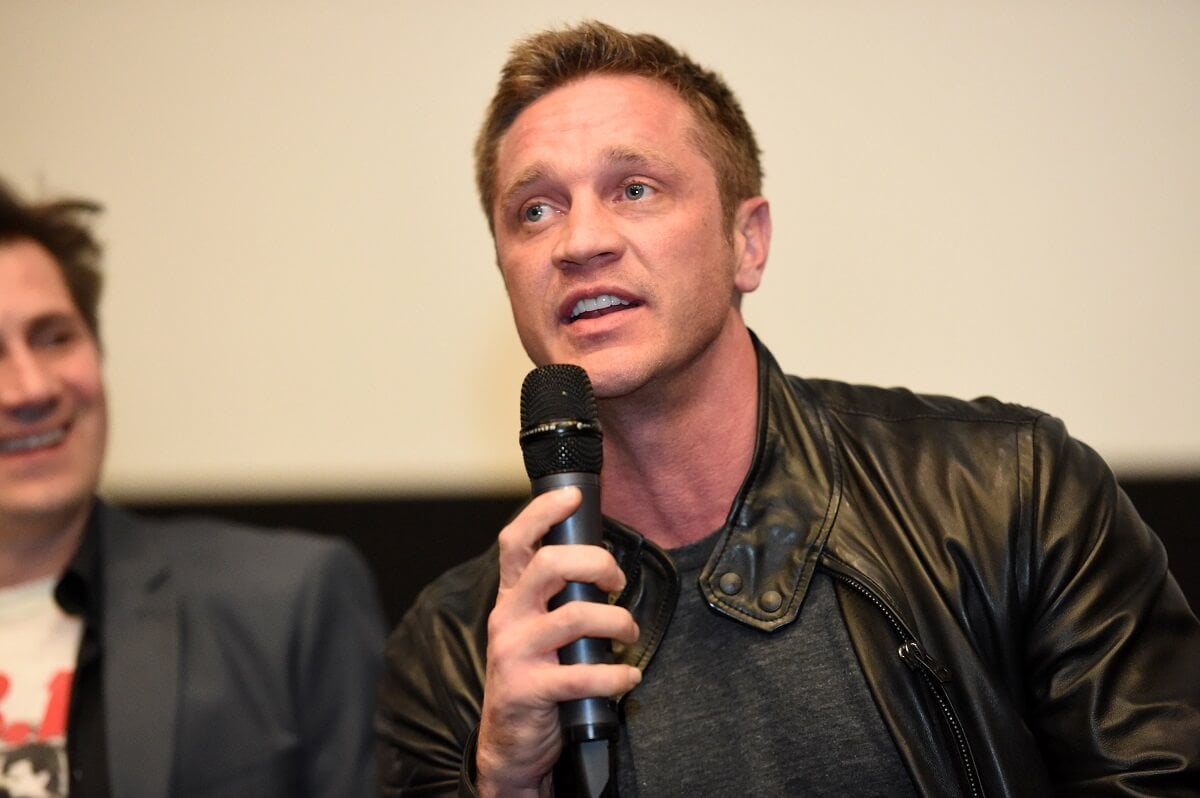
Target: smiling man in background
[
  {"x": 821, "y": 589},
  {"x": 148, "y": 658}
]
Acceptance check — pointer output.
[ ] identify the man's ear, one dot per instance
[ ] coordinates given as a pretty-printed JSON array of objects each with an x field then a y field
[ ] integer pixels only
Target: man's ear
[{"x": 751, "y": 242}]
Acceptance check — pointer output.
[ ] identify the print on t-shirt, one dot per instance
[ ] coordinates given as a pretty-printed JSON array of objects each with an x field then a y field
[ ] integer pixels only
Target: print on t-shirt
[
  {"x": 39, "y": 644},
  {"x": 33, "y": 770}
]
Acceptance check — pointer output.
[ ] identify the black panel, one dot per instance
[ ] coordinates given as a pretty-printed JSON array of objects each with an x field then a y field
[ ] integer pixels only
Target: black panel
[
  {"x": 1172, "y": 508},
  {"x": 411, "y": 541}
]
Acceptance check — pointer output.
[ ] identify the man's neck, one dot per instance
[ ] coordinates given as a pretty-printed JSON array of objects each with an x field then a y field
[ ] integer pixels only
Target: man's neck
[
  {"x": 33, "y": 548},
  {"x": 675, "y": 458}
]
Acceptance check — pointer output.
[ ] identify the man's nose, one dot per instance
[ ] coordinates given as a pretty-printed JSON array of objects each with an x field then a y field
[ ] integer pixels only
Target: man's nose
[
  {"x": 588, "y": 236},
  {"x": 27, "y": 385}
]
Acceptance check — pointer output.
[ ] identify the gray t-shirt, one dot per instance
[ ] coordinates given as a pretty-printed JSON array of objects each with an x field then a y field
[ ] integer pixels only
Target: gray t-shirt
[{"x": 725, "y": 709}]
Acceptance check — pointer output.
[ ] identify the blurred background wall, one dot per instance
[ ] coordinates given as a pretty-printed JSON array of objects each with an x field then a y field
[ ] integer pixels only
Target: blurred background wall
[{"x": 302, "y": 307}]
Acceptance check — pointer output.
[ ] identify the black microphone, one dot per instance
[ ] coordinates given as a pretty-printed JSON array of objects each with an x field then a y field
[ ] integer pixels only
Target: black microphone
[{"x": 561, "y": 442}]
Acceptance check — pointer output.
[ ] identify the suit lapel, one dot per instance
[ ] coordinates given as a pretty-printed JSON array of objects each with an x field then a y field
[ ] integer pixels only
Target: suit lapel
[{"x": 141, "y": 656}]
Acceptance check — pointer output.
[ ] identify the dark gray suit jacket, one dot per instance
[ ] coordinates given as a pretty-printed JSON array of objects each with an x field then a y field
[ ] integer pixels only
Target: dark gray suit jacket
[{"x": 236, "y": 662}]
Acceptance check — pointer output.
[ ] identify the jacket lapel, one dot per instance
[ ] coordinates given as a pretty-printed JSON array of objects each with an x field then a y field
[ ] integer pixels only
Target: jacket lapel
[
  {"x": 764, "y": 558},
  {"x": 141, "y": 656}
]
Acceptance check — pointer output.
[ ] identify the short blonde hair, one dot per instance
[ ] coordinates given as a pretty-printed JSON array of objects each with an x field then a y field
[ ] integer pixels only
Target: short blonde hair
[{"x": 553, "y": 58}]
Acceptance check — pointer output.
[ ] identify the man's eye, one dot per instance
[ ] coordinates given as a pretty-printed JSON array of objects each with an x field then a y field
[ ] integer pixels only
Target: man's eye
[
  {"x": 635, "y": 191},
  {"x": 535, "y": 213},
  {"x": 52, "y": 337}
]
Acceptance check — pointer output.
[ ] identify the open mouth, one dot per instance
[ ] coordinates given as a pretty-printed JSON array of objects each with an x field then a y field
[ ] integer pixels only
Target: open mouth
[
  {"x": 31, "y": 442},
  {"x": 597, "y": 306}
]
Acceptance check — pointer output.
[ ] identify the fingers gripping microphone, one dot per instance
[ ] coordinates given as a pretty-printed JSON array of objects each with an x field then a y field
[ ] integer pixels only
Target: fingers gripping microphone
[{"x": 561, "y": 443}]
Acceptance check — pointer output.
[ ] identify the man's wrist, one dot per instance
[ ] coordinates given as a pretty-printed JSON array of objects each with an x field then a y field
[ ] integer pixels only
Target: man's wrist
[{"x": 489, "y": 785}]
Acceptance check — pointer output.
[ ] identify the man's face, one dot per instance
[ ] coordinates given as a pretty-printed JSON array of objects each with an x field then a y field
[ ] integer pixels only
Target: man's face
[
  {"x": 610, "y": 234},
  {"x": 53, "y": 416}
]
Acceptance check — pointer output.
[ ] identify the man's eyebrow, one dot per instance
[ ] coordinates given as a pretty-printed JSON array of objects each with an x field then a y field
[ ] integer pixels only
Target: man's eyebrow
[
  {"x": 643, "y": 159},
  {"x": 53, "y": 319},
  {"x": 627, "y": 156},
  {"x": 522, "y": 181}
]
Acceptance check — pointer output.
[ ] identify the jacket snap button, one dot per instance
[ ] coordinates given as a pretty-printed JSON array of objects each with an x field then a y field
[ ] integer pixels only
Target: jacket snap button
[
  {"x": 770, "y": 601},
  {"x": 731, "y": 584}
]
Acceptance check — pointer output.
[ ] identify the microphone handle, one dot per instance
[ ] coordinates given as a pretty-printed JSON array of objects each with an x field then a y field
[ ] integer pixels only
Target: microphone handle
[{"x": 582, "y": 719}]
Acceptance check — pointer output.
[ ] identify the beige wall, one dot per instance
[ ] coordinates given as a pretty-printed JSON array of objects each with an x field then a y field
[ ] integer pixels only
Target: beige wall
[{"x": 968, "y": 198}]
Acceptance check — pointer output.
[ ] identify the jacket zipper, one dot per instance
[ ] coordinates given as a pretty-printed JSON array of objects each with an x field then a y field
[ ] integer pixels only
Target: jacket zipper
[{"x": 933, "y": 674}]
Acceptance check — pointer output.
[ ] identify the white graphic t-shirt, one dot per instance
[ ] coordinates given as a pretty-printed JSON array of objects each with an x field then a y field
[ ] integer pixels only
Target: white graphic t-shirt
[{"x": 38, "y": 647}]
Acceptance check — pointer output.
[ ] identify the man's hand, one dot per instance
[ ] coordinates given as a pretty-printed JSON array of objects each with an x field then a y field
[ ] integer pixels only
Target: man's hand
[{"x": 519, "y": 733}]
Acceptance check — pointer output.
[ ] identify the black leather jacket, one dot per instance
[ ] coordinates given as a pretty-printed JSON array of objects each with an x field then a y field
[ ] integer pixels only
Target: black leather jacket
[{"x": 1013, "y": 616}]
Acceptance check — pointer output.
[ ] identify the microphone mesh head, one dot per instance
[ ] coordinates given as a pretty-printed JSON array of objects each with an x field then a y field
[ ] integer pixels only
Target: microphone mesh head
[{"x": 559, "y": 429}]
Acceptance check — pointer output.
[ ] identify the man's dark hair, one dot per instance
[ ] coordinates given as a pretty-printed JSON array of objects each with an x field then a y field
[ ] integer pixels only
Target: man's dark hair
[{"x": 59, "y": 226}]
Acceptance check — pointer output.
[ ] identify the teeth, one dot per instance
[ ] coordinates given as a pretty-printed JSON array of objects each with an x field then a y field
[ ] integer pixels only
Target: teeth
[
  {"x": 31, "y": 442},
  {"x": 595, "y": 303}
]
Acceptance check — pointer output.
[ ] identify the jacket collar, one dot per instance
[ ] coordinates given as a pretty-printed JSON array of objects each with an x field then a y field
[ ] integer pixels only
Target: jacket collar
[
  {"x": 141, "y": 655},
  {"x": 766, "y": 552},
  {"x": 80, "y": 588}
]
